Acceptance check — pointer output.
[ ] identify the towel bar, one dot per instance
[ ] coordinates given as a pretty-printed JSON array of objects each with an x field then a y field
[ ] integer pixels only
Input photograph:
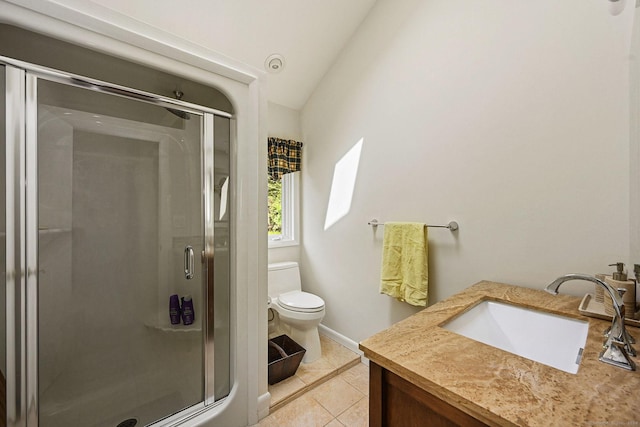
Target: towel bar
[{"x": 453, "y": 226}]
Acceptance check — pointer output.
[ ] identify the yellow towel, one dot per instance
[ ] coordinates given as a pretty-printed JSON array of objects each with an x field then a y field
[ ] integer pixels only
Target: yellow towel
[{"x": 404, "y": 262}]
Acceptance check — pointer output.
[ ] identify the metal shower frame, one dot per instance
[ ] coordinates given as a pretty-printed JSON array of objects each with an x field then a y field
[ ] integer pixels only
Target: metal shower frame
[{"x": 22, "y": 228}]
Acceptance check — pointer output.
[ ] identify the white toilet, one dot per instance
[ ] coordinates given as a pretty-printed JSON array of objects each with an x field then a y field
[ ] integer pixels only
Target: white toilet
[{"x": 301, "y": 311}]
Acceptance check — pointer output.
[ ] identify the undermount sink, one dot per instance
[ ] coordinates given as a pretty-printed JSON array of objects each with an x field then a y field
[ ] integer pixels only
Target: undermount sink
[{"x": 550, "y": 339}]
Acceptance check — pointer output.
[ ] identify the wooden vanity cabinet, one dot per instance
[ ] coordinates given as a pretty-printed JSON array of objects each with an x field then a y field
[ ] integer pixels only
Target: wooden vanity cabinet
[{"x": 395, "y": 402}]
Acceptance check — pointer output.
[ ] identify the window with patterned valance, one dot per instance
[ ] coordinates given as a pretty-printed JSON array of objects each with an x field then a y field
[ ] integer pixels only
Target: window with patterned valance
[{"x": 285, "y": 156}]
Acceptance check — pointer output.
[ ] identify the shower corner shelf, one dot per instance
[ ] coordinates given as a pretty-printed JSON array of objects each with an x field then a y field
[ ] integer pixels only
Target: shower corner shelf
[
  {"x": 47, "y": 230},
  {"x": 174, "y": 328}
]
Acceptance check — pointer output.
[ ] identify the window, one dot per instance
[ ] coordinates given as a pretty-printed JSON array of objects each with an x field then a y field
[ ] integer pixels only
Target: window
[
  {"x": 283, "y": 210},
  {"x": 285, "y": 157}
]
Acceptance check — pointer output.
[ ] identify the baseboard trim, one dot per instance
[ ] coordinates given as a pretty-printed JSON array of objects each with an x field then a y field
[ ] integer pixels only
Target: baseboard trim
[
  {"x": 263, "y": 405},
  {"x": 342, "y": 340}
]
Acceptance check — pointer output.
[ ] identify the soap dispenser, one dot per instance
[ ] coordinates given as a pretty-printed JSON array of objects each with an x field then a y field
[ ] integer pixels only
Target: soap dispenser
[
  {"x": 636, "y": 270},
  {"x": 598, "y": 291},
  {"x": 619, "y": 281}
]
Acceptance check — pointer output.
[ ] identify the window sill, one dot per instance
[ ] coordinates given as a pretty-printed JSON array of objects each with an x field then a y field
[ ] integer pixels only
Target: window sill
[{"x": 273, "y": 244}]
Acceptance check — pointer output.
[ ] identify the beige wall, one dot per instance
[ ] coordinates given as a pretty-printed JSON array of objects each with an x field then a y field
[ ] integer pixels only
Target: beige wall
[{"x": 509, "y": 117}]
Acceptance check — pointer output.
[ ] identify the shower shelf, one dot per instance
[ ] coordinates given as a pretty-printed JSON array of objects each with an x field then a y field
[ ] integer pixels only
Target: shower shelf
[
  {"x": 44, "y": 230},
  {"x": 174, "y": 328}
]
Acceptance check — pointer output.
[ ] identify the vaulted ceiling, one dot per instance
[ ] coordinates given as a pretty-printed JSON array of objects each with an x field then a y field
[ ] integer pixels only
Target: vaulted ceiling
[{"x": 309, "y": 34}]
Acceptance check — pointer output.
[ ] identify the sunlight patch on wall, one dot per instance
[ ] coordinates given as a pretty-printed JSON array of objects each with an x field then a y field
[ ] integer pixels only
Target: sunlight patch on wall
[
  {"x": 224, "y": 190},
  {"x": 343, "y": 184}
]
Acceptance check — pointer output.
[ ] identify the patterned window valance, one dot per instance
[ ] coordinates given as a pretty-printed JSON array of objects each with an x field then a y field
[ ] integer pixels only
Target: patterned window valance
[{"x": 285, "y": 157}]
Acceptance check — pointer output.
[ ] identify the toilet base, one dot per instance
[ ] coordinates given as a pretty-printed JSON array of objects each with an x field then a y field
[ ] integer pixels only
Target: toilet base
[{"x": 310, "y": 340}]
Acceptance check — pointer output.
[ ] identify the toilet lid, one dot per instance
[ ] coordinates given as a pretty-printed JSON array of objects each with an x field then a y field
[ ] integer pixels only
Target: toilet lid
[{"x": 301, "y": 301}]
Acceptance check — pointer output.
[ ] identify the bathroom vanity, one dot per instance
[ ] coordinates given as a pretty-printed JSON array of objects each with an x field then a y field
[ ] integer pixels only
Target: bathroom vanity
[{"x": 422, "y": 373}]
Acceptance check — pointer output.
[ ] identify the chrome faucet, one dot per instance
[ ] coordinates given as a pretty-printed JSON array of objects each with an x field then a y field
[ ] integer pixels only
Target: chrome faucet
[{"x": 617, "y": 348}]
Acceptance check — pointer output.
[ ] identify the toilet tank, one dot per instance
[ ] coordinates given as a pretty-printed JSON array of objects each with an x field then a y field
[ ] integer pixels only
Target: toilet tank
[{"x": 283, "y": 277}]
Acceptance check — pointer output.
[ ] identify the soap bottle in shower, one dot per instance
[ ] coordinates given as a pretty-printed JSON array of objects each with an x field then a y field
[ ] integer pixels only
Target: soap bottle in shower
[
  {"x": 174, "y": 309},
  {"x": 188, "y": 315}
]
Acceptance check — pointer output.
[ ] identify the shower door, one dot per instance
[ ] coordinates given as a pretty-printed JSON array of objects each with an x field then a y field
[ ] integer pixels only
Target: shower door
[{"x": 122, "y": 218}]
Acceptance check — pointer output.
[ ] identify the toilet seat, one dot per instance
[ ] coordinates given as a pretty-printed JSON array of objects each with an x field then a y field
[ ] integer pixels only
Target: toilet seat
[{"x": 300, "y": 301}]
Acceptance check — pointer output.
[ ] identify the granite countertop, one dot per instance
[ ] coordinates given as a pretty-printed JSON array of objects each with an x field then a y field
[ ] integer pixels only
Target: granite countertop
[{"x": 500, "y": 388}]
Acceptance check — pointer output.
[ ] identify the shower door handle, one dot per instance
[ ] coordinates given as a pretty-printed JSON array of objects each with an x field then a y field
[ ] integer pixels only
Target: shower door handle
[{"x": 188, "y": 262}]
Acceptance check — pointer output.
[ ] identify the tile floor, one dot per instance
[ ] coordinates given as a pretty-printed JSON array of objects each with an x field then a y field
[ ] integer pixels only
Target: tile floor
[{"x": 332, "y": 392}]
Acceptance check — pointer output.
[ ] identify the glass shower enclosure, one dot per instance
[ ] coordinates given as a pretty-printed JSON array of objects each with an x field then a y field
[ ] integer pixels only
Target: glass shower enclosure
[{"x": 116, "y": 201}]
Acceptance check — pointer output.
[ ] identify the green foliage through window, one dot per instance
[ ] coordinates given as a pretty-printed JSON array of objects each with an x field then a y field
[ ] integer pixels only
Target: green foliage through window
[{"x": 275, "y": 206}]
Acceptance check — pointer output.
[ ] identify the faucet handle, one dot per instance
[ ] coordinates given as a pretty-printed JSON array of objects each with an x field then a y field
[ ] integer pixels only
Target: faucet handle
[
  {"x": 621, "y": 291},
  {"x": 629, "y": 338},
  {"x": 615, "y": 354}
]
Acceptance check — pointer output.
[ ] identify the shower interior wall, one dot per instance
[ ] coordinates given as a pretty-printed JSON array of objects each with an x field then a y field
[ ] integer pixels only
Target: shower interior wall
[{"x": 100, "y": 306}]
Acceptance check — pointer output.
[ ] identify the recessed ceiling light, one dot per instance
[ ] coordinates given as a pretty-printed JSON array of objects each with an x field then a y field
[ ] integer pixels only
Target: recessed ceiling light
[{"x": 274, "y": 63}]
